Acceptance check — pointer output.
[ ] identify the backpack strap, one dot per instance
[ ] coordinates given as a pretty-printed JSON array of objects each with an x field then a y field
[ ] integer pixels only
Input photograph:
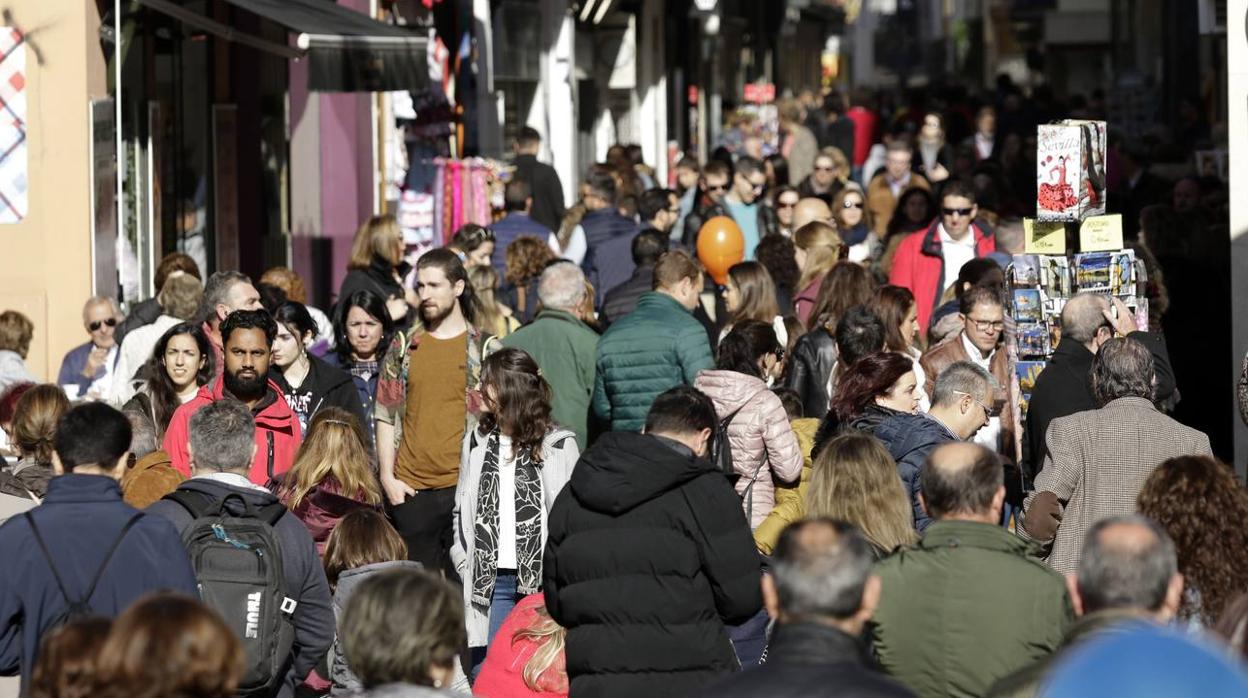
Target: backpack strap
[
  {"x": 196, "y": 504},
  {"x": 99, "y": 573},
  {"x": 270, "y": 513}
]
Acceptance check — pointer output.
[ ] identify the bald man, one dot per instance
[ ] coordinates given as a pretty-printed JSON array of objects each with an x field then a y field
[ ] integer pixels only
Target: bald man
[
  {"x": 967, "y": 562},
  {"x": 1063, "y": 387},
  {"x": 811, "y": 209}
]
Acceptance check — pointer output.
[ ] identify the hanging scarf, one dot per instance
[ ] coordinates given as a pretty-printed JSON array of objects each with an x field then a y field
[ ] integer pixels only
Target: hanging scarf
[{"x": 528, "y": 525}]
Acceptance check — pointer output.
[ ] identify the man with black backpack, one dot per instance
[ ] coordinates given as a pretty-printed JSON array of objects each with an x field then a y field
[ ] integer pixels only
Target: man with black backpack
[
  {"x": 256, "y": 565},
  {"x": 83, "y": 551}
]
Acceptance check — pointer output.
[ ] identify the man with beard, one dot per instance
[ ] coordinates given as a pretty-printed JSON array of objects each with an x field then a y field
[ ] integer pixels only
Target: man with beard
[
  {"x": 422, "y": 415},
  {"x": 247, "y": 337}
]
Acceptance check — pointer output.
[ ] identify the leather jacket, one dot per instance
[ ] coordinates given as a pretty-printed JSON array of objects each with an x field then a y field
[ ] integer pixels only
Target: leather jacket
[{"x": 814, "y": 356}]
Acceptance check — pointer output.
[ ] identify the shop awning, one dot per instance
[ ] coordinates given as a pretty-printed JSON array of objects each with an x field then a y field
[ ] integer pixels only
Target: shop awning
[{"x": 346, "y": 51}]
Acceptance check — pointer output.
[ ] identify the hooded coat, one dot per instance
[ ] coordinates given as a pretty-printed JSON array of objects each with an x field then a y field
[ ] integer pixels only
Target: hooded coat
[
  {"x": 277, "y": 432},
  {"x": 345, "y": 682},
  {"x": 909, "y": 439},
  {"x": 648, "y": 556}
]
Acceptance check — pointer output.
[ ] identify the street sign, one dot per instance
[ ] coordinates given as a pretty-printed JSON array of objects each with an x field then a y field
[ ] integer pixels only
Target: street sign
[{"x": 760, "y": 93}]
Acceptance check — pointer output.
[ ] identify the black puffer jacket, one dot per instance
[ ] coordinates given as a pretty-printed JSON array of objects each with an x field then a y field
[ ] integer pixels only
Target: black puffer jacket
[
  {"x": 648, "y": 556},
  {"x": 809, "y": 370}
]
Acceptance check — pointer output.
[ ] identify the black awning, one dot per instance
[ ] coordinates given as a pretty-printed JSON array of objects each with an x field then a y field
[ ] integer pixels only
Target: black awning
[{"x": 348, "y": 51}]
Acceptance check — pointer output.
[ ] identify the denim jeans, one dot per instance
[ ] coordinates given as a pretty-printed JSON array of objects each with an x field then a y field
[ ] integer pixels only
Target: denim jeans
[{"x": 504, "y": 599}]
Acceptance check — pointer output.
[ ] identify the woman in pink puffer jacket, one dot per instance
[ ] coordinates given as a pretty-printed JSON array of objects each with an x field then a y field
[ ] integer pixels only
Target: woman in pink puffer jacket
[{"x": 763, "y": 444}]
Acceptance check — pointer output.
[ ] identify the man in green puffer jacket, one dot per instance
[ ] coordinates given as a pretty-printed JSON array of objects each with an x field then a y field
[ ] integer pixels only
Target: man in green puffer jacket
[
  {"x": 656, "y": 347},
  {"x": 967, "y": 605}
]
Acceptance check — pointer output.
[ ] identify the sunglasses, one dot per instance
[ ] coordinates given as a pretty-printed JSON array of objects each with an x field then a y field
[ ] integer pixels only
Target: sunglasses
[
  {"x": 779, "y": 352},
  {"x": 852, "y": 204},
  {"x": 824, "y": 169},
  {"x": 785, "y": 204},
  {"x": 959, "y": 211},
  {"x": 717, "y": 187},
  {"x": 94, "y": 326}
]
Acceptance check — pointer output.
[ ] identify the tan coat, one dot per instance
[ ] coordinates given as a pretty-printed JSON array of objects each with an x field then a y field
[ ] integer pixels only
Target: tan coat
[
  {"x": 881, "y": 202},
  {"x": 151, "y": 478}
]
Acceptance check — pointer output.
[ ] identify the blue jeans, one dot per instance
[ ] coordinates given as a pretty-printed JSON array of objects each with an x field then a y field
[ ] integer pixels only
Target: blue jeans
[{"x": 504, "y": 599}]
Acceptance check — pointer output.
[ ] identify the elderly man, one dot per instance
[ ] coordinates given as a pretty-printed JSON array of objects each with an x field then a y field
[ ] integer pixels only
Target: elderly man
[
  {"x": 1098, "y": 460},
  {"x": 1063, "y": 388},
  {"x": 967, "y": 605},
  {"x": 88, "y": 368},
  {"x": 983, "y": 328},
  {"x": 563, "y": 346},
  {"x": 1128, "y": 575}
]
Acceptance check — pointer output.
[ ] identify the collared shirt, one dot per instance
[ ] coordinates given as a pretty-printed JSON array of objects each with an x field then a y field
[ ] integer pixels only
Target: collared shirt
[
  {"x": 896, "y": 186},
  {"x": 956, "y": 253},
  {"x": 983, "y": 145},
  {"x": 990, "y": 435}
]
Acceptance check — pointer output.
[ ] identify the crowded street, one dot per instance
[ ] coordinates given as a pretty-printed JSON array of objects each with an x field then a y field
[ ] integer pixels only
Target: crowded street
[{"x": 623, "y": 348}]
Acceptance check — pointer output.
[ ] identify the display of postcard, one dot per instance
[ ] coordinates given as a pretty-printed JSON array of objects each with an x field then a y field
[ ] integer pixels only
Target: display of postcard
[
  {"x": 1122, "y": 274},
  {"x": 1027, "y": 372},
  {"x": 1055, "y": 330},
  {"x": 1026, "y": 270},
  {"x": 1093, "y": 271},
  {"x": 1033, "y": 340},
  {"x": 1027, "y": 305},
  {"x": 1055, "y": 276}
]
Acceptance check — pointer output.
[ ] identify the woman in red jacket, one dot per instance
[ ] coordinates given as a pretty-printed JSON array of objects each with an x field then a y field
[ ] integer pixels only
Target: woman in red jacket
[{"x": 526, "y": 659}]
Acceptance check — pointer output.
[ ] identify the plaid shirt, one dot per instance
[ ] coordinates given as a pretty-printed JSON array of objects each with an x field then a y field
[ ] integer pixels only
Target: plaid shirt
[{"x": 392, "y": 384}]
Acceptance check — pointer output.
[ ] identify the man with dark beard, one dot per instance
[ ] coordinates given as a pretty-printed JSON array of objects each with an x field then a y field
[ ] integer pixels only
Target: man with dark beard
[
  {"x": 247, "y": 337},
  {"x": 422, "y": 415}
]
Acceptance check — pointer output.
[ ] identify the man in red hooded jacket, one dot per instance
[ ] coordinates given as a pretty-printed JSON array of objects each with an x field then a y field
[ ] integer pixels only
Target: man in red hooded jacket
[
  {"x": 928, "y": 262},
  {"x": 247, "y": 336}
]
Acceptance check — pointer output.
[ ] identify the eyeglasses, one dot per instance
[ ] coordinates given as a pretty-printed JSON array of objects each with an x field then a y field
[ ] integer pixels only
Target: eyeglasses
[
  {"x": 758, "y": 187},
  {"x": 852, "y": 204},
  {"x": 95, "y": 326},
  {"x": 674, "y": 211},
  {"x": 988, "y": 411},
  {"x": 959, "y": 211},
  {"x": 717, "y": 187},
  {"x": 779, "y": 352},
  {"x": 987, "y": 325}
]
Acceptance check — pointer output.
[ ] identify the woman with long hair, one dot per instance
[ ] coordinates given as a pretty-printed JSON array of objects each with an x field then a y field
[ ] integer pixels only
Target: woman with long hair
[
  {"x": 750, "y": 294},
  {"x": 515, "y": 462},
  {"x": 853, "y": 220},
  {"x": 525, "y": 258},
  {"x": 181, "y": 363},
  {"x": 778, "y": 254},
  {"x": 1203, "y": 507},
  {"x": 34, "y": 426},
  {"x": 818, "y": 248},
  {"x": 492, "y": 316},
  {"x": 361, "y": 545},
  {"x": 896, "y": 308},
  {"x": 474, "y": 244},
  {"x": 312, "y": 384},
  {"x": 331, "y": 475},
  {"x": 169, "y": 646},
  {"x": 526, "y": 658},
  {"x": 855, "y": 480},
  {"x": 376, "y": 264},
  {"x": 362, "y": 331},
  {"x": 764, "y": 447},
  {"x": 815, "y": 355}
]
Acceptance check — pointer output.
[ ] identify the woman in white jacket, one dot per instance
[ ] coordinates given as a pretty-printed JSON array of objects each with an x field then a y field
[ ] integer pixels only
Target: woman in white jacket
[{"x": 513, "y": 466}]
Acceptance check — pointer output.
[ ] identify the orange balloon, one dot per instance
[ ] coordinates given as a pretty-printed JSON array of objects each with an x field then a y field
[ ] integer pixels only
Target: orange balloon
[{"x": 720, "y": 245}]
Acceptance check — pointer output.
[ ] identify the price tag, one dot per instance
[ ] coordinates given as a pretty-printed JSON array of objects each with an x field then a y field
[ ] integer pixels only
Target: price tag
[
  {"x": 1044, "y": 238},
  {"x": 1101, "y": 234}
]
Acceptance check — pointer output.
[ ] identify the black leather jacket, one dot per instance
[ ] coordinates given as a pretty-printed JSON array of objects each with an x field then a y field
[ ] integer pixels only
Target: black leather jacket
[{"x": 809, "y": 370}]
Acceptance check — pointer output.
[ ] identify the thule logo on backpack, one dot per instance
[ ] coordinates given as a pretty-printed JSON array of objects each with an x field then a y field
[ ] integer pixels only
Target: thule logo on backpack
[{"x": 252, "y": 629}]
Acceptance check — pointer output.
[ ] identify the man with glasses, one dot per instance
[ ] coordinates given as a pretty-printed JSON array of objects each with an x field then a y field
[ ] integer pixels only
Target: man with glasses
[
  {"x": 1063, "y": 387},
  {"x": 928, "y": 263},
  {"x": 87, "y": 368},
  {"x": 822, "y": 183},
  {"x": 708, "y": 202},
  {"x": 743, "y": 203},
  {"x": 980, "y": 342},
  {"x": 962, "y": 404}
]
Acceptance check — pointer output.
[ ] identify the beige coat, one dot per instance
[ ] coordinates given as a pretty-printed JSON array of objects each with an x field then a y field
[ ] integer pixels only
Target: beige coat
[{"x": 760, "y": 435}]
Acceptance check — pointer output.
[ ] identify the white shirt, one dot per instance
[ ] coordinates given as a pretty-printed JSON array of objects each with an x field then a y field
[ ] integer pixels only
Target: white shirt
[
  {"x": 983, "y": 144},
  {"x": 136, "y": 349},
  {"x": 955, "y": 254},
  {"x": 101, "y": 388},
  {"x": 990, "y": 435},
  {"x": 506, "y": 505},
  {"x": 577, "y": 247}
]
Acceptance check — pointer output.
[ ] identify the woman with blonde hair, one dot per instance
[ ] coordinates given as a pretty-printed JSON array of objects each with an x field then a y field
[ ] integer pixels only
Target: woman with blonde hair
[
  {"x": 377, "y": 265},
  {"x": 526, "y": 258},
  {"x": 527, "y": 658},
  {"x": 492, "y": 317},
  {"x": 331, "y": 476},
  {"x": 818, "y": 249},
  {"x": 34, "y": 425},
  {"x": 855, "y": 480}
]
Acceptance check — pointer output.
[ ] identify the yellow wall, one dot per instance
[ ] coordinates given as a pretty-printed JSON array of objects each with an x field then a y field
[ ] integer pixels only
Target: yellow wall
[{"x": 45, "y": 261}]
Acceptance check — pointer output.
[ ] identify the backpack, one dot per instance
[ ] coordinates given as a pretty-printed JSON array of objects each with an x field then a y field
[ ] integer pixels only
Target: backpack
[
  {"x": 238, "y": 564},
  {"x": 721, "y": 458},
  {"x": 78, "y": 608}
]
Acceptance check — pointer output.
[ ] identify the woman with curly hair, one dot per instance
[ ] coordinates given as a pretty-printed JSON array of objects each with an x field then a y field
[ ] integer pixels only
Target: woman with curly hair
[
  {"x": 514, "y": 464},
  {"x": 526, "y": 258},
  {"x": 1203, "y": 507}
]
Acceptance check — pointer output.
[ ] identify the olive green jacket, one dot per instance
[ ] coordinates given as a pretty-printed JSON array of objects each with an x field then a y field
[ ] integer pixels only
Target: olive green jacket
[{"x": 964, "y": 607}]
